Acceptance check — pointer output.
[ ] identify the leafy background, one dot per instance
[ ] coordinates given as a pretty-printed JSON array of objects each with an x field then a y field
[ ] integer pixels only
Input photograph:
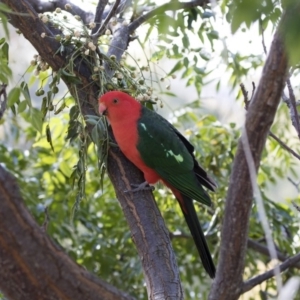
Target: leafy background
[{"x": 188, "y": 49}]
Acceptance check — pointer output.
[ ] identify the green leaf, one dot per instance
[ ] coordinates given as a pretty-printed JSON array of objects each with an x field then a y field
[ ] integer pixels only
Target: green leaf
[
  {"x": 200, "y": 71},
  {"x": 158, "y": 55},
  {"x": 214, "y": 35},
  {"x": 65, "y": 169},
  {"x": 186, "y": 62},
  {"x": 26, "y": 93},
  {"x": 13, "y": 96},
  {"x": 204, "y": 55},
  {"x": 70, "y": 77},
  {"x": 74, "y": 112},
  {"x": 4, "y": 8},
  {"x": 4, "y": 23},
  {"x": 178, "y": 66},
  {"x": 36, "y": 119},
  {"x": 207, "y": 14},
  {"x": 185, "y": 42},
  {"x": 49, "y": 137},
  {"x": 5, "y": 49},
  {"x": 22, "y": 106}
]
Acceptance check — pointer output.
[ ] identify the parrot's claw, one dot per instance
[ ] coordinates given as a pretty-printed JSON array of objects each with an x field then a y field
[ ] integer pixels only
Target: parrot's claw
[{"x": 140, "y": 187}]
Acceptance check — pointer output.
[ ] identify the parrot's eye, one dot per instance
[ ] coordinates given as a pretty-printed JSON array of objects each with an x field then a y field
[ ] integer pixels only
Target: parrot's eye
[{"x": 115, "y": 101}]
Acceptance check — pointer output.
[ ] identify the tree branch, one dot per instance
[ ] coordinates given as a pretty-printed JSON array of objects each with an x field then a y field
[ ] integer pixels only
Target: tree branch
[
  {"x": 44, "y": 6},
  {"x": 124, "y": 4},
  {"x": 279, "y": 141},
  {"x": 118, "y": 45},
  {"x": 147, "y": 227},
  {"x": 28, "y": 256},
  {"x": 109, "y": 16},
  {"x": 98, "y": 16},
  {"x": 258, "y": 247},
  {"x": 172, "y": 5},
  {"x": 251, "y": 283},
  {"x": 3, "y": 99},
  {"x": 291, "y": 103},
  {"x": 259, "y": 119},
  {"x": 283, "y": 145}
]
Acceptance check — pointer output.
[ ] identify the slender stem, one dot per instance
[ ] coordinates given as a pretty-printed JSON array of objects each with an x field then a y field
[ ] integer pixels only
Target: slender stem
[
  {"x": 4, "y": 100},
  {"x": 251, "y": 283},
  {"x": 283, "y": 145},
  {"x": 258, "y": 247},
  {"x": 109, "y": 16},
  {"x": 293, "y": 108},
  {"x": 172, "y": 5},
  {"x": 99, "y": 13}
]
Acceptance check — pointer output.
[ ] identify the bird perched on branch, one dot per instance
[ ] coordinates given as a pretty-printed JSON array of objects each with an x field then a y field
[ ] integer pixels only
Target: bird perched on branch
[{"x": 163, "y": 154}]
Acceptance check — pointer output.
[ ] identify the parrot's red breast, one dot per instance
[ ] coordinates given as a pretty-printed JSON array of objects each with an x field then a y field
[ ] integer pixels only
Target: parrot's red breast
[{"x": 125, "y": 129}]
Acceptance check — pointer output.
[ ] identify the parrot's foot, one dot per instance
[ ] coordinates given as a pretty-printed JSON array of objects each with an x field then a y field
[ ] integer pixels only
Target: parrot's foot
[{"x": 140, "y": 187}]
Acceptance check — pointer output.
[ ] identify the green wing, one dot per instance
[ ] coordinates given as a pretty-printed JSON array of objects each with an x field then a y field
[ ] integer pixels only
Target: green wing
[{"x": 163, "y": 150}]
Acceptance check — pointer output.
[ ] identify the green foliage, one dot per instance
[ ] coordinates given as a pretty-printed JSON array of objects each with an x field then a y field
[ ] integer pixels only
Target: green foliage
[
  {"x": 5, "y": 72},
  {"x": 290, "y": 28},
  {"x": 60, "y": 166}
]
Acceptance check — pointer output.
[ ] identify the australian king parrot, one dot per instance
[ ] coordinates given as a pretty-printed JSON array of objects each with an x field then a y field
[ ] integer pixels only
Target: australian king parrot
[{"x": 163, "y": 154}]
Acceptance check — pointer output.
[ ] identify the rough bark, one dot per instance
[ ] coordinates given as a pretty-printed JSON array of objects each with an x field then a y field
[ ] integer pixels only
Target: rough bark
[
  {"x": 259, "y": 119},
  {"x": 31, "y": 265},
  {"x": 151, "y": 236},
  {"x": 148, "y": 230}
]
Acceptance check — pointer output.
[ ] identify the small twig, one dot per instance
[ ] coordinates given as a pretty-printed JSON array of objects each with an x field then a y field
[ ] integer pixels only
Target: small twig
[
  {"x": 253, "y": 90},
  {"x": 283, "y": 145},
  {"x": 293, "y": 107},
  {"x": 295, "y": 184},
  {"x": 245, "y": 94},
  {"x": 4, "y": 100},
  {"x": 99, "y": 13},
  {"x": 124, "y": 4},
  {"x": 263, "y": 39},
  {"x": 118, "y": 45},
  {"x": 258, "y": 247},
  {"x": 172, "y": 5},
  {"x": 46, "y": 221},
  {"x": 251, "y": 283},
  {"x": 279, "y": 141},
  {"x": 296, "y": 206},
  {"x": 109, "y": 16}
]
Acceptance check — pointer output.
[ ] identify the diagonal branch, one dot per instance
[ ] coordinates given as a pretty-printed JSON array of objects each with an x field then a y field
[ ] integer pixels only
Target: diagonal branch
[
  {"x": 258, "y": 247},
  {"x": 271, "y": 134},
  {"x": 99, "y": 13},
  {"x": 147, "y": 226},
  {"x": 44, "y": 6},
  {"x": 293, "y": 108},
  {"x": 259, "y": 118},
  {"x": 283, "y": 145},
  {"x": 251, "y": 283},
  {"x": 172, "y": 5},
  {"x": 113, "y": 10},
  {"x": 3, "y": 99},
  {"x": 124, "y": 4},
  {"x": 28, "y": 256}
]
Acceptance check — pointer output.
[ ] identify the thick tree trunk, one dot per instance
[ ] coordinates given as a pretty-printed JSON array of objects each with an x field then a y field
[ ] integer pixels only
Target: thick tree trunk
[
  {"x": 31, "y": 265},
  {"x": 146, "y": 224},
  {"x": 259, "y": 119}
]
